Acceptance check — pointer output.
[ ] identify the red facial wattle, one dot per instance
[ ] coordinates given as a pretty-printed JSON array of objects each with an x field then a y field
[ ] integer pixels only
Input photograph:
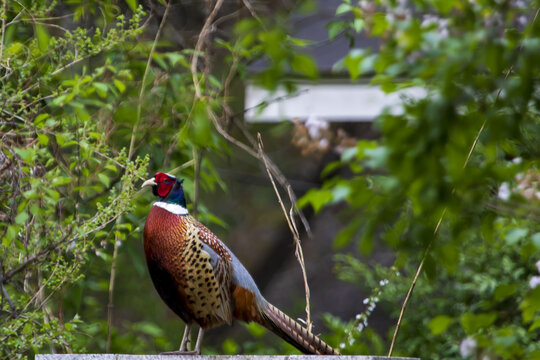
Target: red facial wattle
[{"x": 164, "y": 184}]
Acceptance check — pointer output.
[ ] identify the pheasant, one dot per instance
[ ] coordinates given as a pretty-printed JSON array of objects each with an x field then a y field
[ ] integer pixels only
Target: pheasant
[{"x": 201, "y": 280}]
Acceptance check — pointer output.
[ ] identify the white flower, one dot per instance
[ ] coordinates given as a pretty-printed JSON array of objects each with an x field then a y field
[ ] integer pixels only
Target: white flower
[
  {"x": 534, "y": 282},
  {"x": 315, "y": 125},
  {"x": 323, "y": 143},
  {"x": 504, "y": 191},
  {"x": 366, "y": 300},
  {"x": 467, "y": 347},
  {"x": 538, "y": 265},
  {"x": 517, "y": 160}
]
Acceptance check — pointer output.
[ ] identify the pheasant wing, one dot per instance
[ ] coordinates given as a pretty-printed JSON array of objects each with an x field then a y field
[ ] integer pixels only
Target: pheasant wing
[{"x": 217, "y": 274}]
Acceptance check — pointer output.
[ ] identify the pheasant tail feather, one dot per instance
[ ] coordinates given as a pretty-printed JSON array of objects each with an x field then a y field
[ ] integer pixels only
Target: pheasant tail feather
[{"x": 295, "y": 334}]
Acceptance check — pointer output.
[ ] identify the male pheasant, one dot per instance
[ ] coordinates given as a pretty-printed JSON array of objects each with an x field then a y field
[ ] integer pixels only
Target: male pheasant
[{"x": 201, "y": 280}]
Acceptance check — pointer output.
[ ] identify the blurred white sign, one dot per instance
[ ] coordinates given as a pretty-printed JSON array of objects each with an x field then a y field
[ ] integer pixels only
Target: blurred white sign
[{"x": 333, "y": 102}]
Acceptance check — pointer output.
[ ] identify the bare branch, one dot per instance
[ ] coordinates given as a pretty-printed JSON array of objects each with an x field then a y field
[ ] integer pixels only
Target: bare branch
[
  {"x": 198, "y": 46},
  {"x": 292, "y": 226}
]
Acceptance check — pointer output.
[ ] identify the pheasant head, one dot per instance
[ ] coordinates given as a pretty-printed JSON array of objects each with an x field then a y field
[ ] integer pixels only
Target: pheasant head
[{"x": 168, "y": 188}]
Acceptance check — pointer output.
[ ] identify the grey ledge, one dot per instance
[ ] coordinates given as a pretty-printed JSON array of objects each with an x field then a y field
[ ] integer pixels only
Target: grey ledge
[{"x": 208, "y": 357}]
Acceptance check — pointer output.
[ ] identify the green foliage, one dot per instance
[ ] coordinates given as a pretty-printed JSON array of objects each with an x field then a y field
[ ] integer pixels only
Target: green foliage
[
  {"x": 91, "y": 102},
  {"x": 87, "y": 96},
  {"x": 454, "y": 171}
]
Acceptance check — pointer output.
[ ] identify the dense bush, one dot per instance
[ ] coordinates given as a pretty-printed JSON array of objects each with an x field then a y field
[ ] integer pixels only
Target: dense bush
[{"x": 453, "y": 182}]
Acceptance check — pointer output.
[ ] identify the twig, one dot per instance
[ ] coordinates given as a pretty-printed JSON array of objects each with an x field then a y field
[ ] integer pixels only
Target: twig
[
  {"x": 292, "y": 226},
  {"x": 197, "y": 157},
  {"x": 110, "y": 305},
  {"x": 199, "y": 45},
  {"x": 2, "y": 36},
  {"x": 5, "y": 294},
  {"x": 14, "y": 21},
  {"x": 413, "y": 284},
  {"x": 183, "y": 166},
  {"x": 282, "y": 181},
  {"x": 146, "y": 70},
  {"x": 252, "y": 11}
]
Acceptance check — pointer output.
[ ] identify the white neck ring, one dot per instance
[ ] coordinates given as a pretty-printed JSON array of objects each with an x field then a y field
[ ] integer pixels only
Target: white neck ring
[{"x": 172, "y": 208}]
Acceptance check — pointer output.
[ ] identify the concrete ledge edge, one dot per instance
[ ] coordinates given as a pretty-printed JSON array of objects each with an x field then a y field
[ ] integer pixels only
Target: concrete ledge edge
[{"x": 209, "y": 357}]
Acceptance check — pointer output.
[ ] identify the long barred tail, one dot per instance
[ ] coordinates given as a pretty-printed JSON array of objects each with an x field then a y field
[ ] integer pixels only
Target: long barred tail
[{"x": 295, "y": 334}]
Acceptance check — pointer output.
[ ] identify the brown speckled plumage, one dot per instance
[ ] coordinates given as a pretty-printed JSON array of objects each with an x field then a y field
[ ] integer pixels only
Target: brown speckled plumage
[
  {"x": 201, "y": 280},
  {"x": 175, "y": 244}
]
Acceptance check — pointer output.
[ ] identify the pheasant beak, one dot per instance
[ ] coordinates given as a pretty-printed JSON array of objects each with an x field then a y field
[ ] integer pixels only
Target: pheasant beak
[{"x": 149, "y": 182}]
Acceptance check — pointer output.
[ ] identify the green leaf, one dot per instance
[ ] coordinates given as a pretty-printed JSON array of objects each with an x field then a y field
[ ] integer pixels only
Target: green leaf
[
  {"x": 471, "y": 323},
  {"x": 200, "y": 127},
  {"x": 358, "y": 25},
  {"x": 21, "y": 218},
  {"x": 439, "y": 324},
  {"x": 43, "y": 139},
  {"x": 119, "y": 85},
  {"x": 60, "y": 180},
  {"x": 340, "y": 192},
  {"x": 230, "y": 347},
  {"x": 104, "y": 179},
  {"x": 352, "y": 63},
  {"x": 14, "y": 49},
  {"x": 344, "y": 237},
  {"x": 101, "y": 89},
  {"x": 62, "y": 139},
  {"x": 256, "y": 330},
  {"x": 536, "y": 240},
  {"x": 175, "y": 58},
  {"x": 27, "y": 155},
  {"x": 304, "y": 64},
  {"x": 317, "y": 198},
  {"x": 535, "y": 325},
  {"x": 43, "y": 37},
  {"x": 343, "y": 8},
  {"x": 512, "y": 236},
  {"x": 149, "y": 328},
  {"x": 11, "y": 234},
  {"x": 380, "y": 24},
  {"x": 335, "y": 28},
  {"x": 504, "y": 290},
  {"x": 40, "y": 119},
  {"x": 132, "y": 4},
  {"x": 530, "y": 306}
]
